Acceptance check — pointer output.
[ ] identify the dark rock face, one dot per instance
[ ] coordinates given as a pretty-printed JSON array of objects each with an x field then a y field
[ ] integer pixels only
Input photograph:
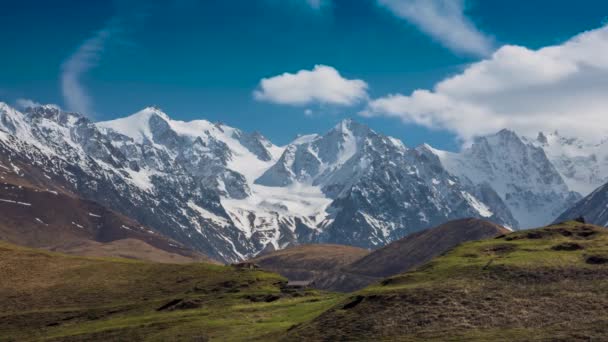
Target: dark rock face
[{"x": 591, "y": 209}]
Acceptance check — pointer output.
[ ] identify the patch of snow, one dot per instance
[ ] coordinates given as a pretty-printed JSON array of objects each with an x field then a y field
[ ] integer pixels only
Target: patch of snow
[
  {"x": 77, "y": 225},
  {"x": 15, "y": 202},
  {"x": 208, "y": 215},
  {"x": 348, "y": 146},
  {"x": 305, "y": 139},
  {"x": 481, "y": 208},
  {"x": 384, "y": 227}
]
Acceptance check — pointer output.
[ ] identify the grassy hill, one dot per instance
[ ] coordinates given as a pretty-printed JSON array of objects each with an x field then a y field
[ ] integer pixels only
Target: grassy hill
[
  {"x": 404, "y": 254},
  {"x": 50, "y": 296},
  {"x": 546, "y": 284},
  {"x": 419, "y": 248},
  {"x": 543, "y": 284},
  {"x": 307, "y": 262}
]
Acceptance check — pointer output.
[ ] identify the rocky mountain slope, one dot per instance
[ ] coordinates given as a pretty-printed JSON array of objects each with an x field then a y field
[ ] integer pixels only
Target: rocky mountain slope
[
  {"x": 520, "y": 173},
  {"x": 55, "y": 221},
  {"x": 583, "y": 165},
  {"x": 232, "y": 194},
  {"x": 593, "y": 208}
]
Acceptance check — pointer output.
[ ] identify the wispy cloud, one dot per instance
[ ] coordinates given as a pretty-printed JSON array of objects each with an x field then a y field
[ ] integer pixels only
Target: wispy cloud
[
  {"x": 26, "y": 103},
  {"x": 445, "y": 21},
  {"x": 79, "y": 63}
]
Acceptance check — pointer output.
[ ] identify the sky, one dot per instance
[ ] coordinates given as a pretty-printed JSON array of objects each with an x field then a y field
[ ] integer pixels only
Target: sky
[{"x": 434, "y": 71}]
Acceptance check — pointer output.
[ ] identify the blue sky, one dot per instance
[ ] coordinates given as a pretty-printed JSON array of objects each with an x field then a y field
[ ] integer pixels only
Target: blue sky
[{"x": 205, "y": 59}]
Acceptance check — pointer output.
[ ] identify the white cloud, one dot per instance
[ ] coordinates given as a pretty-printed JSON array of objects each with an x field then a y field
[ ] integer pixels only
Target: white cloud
[
  {"x": 82, "y": 60},
  {"x": 445, "y": 21},
  {"x": 26, "y": 103},
  {"x": 560, "y": 87},
  {"x": 322, "y": 85}
]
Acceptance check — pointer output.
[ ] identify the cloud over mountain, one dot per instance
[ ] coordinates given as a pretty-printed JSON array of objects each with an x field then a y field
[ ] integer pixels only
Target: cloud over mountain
[
  {"x": 559, "y": 87},
  {"x": 322, "y": 85}
]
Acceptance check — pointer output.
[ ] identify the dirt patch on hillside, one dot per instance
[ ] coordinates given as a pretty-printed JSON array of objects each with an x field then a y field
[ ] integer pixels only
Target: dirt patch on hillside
[
  {"x": 597, "y": 259},
  {"x": 500, "y": 249},
  {"x": 567, "y": 246}
]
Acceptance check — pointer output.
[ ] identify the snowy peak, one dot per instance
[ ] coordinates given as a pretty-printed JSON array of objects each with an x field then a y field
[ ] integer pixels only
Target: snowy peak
[
  {"x": 342, "y": 152},
  {"x": 152, "y": 126},
  {"x": 256, "y": 143},
  {"x": 519, "y": 172},
  {"x": 11, "y": 121},
  {"x": 583, "y": 165},
  {"x": 349, "y": 127},
  {"x": 139, "y": 126}
]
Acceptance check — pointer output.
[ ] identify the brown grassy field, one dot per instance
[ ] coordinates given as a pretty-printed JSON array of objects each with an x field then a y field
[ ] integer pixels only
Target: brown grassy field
[
  {"x": 50, "y": 296},
  {"x": 307, "y": 262}
]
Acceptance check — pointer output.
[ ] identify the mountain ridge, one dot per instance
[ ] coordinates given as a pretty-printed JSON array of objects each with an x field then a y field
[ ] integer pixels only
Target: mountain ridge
[
  {"x": 233, "y": 194},
  {"x": 592, "y": 209}
]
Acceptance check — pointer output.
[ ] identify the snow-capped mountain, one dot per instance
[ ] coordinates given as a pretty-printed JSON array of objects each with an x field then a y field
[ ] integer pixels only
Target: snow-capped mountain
[
  {"x": 380, "y": 190},
  {"x": 232, "y": 194},
  {"x": 593, "y": 208},
  {"x": 520, "y": 172},
  {"x": 582, "y": 165}
]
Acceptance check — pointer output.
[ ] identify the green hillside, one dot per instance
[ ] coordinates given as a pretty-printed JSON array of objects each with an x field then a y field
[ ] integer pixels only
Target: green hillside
[
  {"x": 49, "y": 296},
  {"x": 544, "y": 284}
]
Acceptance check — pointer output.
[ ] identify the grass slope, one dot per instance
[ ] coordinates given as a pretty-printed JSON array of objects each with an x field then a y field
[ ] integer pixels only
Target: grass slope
[
  {"x": 306, "y": 262},
  {"x": 404, "y": 254},
  {"x": 56, "y": 297},
  {"x": 544, "y": 284}
]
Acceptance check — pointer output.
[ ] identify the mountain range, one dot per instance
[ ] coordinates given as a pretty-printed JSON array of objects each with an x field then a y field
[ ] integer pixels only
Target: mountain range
[{"x": 232, "y": 194}]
